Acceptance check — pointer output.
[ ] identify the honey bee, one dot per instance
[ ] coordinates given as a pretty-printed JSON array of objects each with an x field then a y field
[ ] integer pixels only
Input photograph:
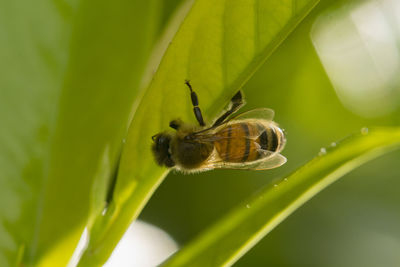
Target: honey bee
[{"x": 250, "y": 140}]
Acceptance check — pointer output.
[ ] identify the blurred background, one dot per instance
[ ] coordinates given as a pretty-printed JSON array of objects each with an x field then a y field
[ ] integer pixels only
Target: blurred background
[{"x": 336, "y": 73}]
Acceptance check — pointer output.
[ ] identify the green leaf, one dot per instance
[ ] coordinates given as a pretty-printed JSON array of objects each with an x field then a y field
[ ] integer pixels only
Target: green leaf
[
  {"x": 230, "y": 238},
  {"x": 219, "y": 45},
  {"x": 69, "y": 74}
]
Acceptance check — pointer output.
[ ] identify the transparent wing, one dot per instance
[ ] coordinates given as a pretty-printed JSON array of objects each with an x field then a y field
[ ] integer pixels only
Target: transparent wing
[
  {"x": 265, "y": 114},
  {"x": 221, "y": 133},
  {"x": 273, "y": 161},
  {"x": 224, "y": 132},
  {"x": 258, "y": 113}
]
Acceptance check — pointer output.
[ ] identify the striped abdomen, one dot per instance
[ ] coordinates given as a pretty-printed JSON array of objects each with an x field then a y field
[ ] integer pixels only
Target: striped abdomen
[{"x": 242, "y": 141}]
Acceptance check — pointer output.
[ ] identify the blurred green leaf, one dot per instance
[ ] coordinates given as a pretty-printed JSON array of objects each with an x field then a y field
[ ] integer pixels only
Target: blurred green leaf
[
  {"x": 69, "y": 74},
  {"x": 219, "y": 45},
  {"x": 229, "y": 239}
]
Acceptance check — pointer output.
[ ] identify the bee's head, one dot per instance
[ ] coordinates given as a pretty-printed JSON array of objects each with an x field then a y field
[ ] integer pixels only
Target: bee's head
[{"x": 161, "y": 149}]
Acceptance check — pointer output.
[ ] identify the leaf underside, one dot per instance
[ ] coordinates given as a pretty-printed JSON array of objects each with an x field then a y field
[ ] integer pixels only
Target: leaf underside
[{"x": 218, "y": 47}]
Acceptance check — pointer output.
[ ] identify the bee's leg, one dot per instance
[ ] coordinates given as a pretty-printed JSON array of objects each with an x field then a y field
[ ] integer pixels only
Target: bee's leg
[
  {"x": 236, "y": 103},
  {"x": 195, "y": 102}
]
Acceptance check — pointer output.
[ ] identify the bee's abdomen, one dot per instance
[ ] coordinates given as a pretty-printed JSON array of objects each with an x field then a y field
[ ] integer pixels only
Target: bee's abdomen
[
  {"x": 234, "y": 142},
  {"x": 242, "y": 141},
  {"x": 270, "y": 138}
]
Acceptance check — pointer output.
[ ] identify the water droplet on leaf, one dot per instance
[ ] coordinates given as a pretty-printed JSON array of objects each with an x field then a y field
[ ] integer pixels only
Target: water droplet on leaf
[{"x": 364, "y": 131}]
